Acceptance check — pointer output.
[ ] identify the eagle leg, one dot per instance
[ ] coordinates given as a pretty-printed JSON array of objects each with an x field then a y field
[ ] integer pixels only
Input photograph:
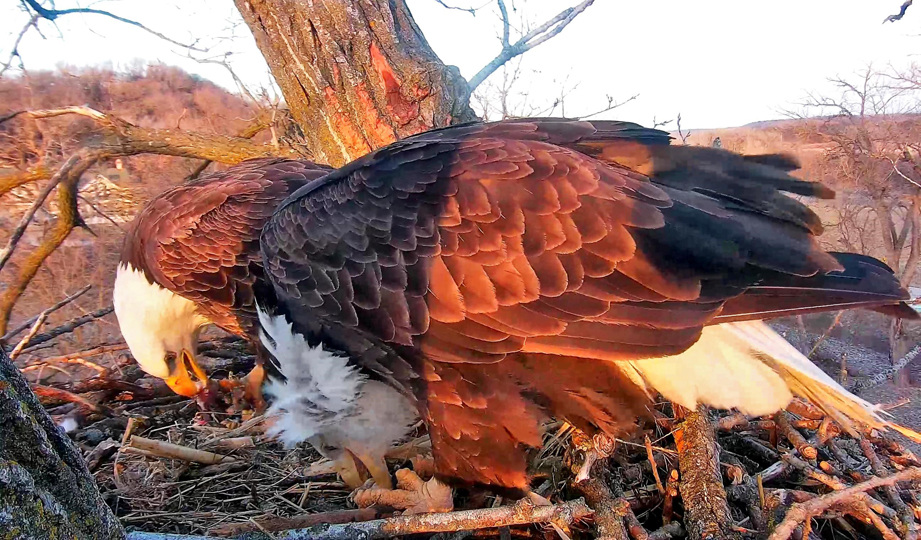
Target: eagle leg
[
  {"x": 347, "y": 469},
  {"x": 377, "y": 467},
  {"x": 413, "y": 495}
]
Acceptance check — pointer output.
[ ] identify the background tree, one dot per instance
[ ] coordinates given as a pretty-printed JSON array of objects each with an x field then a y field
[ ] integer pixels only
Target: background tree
[{"x": 872, "y": 159}]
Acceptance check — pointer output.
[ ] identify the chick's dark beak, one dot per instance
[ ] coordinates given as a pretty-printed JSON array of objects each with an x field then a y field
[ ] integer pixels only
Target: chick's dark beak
[{"x": 186, "y": 377}]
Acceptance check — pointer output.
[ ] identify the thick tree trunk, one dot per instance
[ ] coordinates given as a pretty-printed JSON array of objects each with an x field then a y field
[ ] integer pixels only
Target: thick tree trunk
[
  {"x": 356, "y": 75},
  {"x": 46, "y": 491}
]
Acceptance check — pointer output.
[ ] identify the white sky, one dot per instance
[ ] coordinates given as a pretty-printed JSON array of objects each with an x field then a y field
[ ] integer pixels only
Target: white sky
[{"x": 718, "y": 63}]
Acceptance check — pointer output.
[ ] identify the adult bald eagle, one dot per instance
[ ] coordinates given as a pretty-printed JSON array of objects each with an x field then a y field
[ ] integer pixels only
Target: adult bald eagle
[
  {"x": 487, "y": 276},
  {"x": 191, "y": 258}
]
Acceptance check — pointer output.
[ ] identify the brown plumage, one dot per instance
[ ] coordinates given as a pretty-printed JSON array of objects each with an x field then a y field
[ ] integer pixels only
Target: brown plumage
[
  {"x": 499, "y": 273},
  {"x": 199, "y": 240}
]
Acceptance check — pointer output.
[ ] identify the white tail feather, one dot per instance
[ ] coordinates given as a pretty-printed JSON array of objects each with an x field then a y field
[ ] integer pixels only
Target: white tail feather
[{"x": 748, "y": 366}]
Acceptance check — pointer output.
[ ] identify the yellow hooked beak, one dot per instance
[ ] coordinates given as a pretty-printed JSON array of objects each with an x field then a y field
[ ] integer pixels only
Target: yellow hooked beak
[{"x": 180, "y": 378}]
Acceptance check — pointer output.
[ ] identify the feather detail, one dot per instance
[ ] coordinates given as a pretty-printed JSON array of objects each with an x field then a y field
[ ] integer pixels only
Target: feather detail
[{"x": 748, "y": 366}]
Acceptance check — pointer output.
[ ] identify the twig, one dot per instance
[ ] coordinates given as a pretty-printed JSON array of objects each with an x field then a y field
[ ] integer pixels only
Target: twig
[
  {"x": 795, "y": 437},
  {"x": 905, "y": 513},
  {"x": 56, "y": 394},
  {"x": 14, "y": 51},
  {"x": 70, "y": 326},
  {"x": 48, "y": 311},
  {"x": 652, "y": 463},
  {"x": 671, "y": 491},
  {"x": 52, "y": 14},
  {"x": 470, "y": 10},
  {"x": 17, "y": 350},
  {"x": 824, "y": 335},
  {"x": 801, "y": 511},
  {"x": 67, "y": 358},
  {"x": 100, "y": 212},
  {"x": 527, "y": 42},
  {"x": 898, "y": 16},
  {"x": 837, "y": 484},
  {"x": 610, "y": 107},
  {"x": 175, "y": 451},
  {"x": 20, "y": 229},
  {"x": 684, "y": 135}
]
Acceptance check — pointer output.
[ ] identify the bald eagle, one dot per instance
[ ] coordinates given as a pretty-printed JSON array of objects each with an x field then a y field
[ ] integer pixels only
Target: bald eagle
[
  {"x": 489, "y": 276},
  {"x": 191, "y": 258},
  {"x": 484, "y": 277}
]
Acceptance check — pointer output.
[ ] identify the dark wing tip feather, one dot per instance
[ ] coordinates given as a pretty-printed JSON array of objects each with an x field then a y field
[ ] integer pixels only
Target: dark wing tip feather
[
  {"x": 899, "y": 311},
  {"x": 784, "y": 162}
]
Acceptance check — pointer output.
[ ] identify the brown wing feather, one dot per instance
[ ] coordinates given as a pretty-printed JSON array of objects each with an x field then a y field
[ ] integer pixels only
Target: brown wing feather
[
  {"x": 200, "y": 239},
  {"x": 534, "y": 252}
]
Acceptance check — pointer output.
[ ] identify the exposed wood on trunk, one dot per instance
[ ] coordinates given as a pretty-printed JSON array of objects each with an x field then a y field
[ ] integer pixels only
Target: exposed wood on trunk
[{"x": 355, "y": 75}]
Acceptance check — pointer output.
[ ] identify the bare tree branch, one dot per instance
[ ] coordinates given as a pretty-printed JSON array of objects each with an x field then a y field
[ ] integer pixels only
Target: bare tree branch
[
  {"x": 52, "y": 14},
  {"x": 470, "y": 10},
  {"x": 20, "y": 229},
  {"x": 116, "y": 137},
  {"x": 15, "y": 50},
  {"x": 68, "y": 327},
  {"x": 66, "y": 179},
  {"x": 610, "y": 107},
  {"x": 9, "y": 335},
  {"x": 528, "y": 41},
  {"x": 683, "y": 134},
  {"x": 800, "y": 512},
  {"x": 12, "y": 181},
  {"x": 898, "y": 16}
]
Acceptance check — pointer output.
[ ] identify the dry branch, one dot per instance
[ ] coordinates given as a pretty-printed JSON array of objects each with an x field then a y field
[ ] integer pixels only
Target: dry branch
[
  {"x": 14, "y": 50},
  {"x": 802, "y": 511},
  {"x": 52, "y": 14},
  {"x": 522, "y": 513},
  {"x": 527, "y": 42},
  {"x": 11, "y": 181},
  {"x": 36, "y": 326},
  {"x": 175, "y": 451},
  {"x": 706, "y": 512},
  {"x": 48, "y": 311},
  {"x": 67, "y": 179},
  {"x": 75, "y": 166},
  {"x": 115, "y": 137},
  {"x": 795, "y": 437},
  {"x": 68, "y": 327},
  {"x": 49, "y": 394}
]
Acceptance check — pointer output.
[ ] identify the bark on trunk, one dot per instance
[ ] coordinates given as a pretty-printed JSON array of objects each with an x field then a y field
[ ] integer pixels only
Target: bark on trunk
[
  {"x": 46, "y": 490},
  {"x": 355, "y": 75}
]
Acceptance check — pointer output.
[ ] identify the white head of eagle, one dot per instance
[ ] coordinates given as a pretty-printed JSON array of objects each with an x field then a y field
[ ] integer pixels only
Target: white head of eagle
[{"x": 161, "y": 329}]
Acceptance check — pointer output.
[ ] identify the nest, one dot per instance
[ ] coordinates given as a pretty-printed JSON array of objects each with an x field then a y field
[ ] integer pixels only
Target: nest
[{"x": 164, "y": 466}]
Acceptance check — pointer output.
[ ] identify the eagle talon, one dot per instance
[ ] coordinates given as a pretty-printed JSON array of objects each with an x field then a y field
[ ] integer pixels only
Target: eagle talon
[{"x": 413, "y": 495}]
